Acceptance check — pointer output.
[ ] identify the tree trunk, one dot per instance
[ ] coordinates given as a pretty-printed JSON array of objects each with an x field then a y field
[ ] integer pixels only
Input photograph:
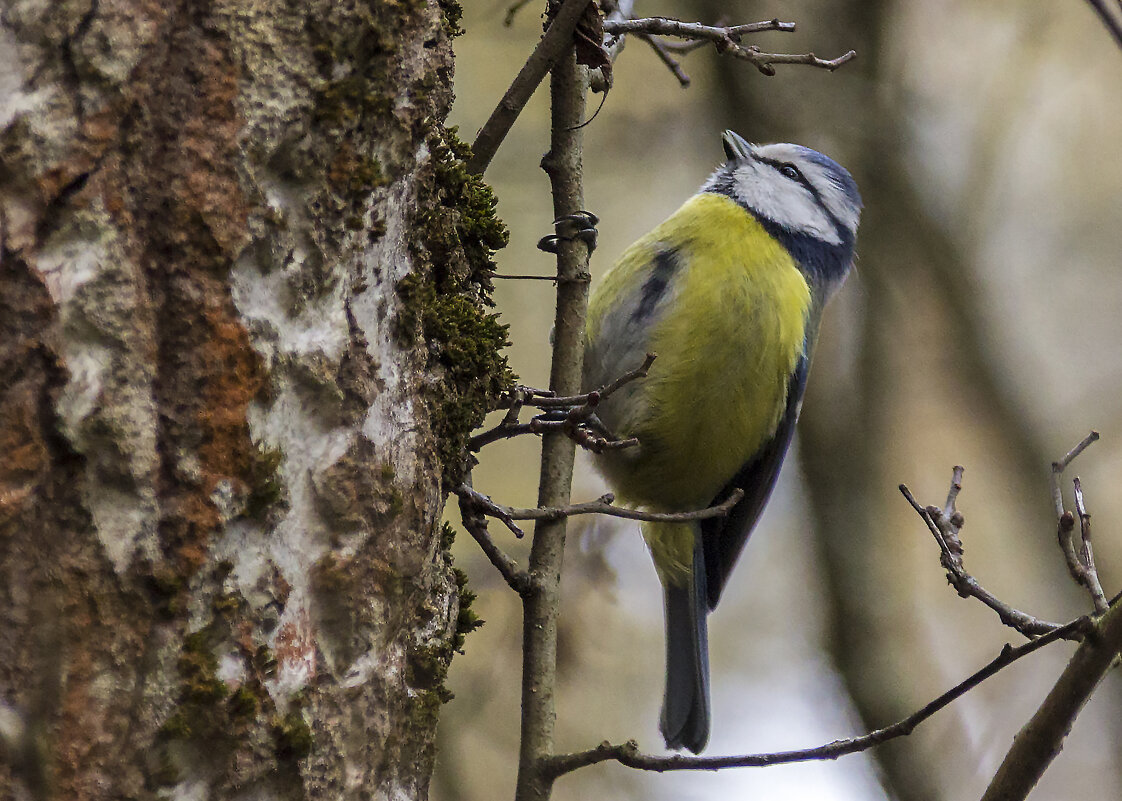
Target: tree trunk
[{"x": 242, "y": 339}]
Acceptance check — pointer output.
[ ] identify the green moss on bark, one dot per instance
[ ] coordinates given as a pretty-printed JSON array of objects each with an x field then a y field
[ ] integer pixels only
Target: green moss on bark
[{"x": 446, "y": 305}]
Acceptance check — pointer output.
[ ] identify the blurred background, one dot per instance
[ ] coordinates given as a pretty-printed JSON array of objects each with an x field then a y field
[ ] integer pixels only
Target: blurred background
[{"x": 982, "y": 327}]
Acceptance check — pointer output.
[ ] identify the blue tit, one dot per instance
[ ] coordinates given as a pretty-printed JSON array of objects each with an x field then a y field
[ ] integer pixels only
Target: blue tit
[{"x": 729, "y": 292}]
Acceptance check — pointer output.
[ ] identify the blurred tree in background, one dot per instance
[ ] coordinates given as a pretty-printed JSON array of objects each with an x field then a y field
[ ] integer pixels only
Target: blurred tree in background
[{"x": 981, "y": 328}]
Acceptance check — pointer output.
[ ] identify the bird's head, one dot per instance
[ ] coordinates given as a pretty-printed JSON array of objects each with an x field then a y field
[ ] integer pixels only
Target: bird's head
[{"x": 802, "y": 196}]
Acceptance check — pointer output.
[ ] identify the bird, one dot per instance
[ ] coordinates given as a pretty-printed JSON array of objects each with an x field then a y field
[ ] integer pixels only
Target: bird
[{"x": 728, "y": 292}]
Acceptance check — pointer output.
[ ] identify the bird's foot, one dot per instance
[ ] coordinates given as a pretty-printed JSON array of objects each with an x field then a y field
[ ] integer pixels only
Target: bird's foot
[{"x": 578, "y": 225}]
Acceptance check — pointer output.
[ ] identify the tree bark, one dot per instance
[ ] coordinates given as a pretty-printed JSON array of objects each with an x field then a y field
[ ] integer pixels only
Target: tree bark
[{"x": 243, "y": 334}]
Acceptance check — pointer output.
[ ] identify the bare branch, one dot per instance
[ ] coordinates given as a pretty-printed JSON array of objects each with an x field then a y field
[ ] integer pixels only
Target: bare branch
[
  {"x": 945, "y": 530},
  {"x": 473, "y": 506},
  {"x": 1082, "y": 570},
  {"x": 603, "y": 506},
  {"x": 727, "y": 36},
  {"x": 765, "y": 62},
  {"x": 1059, "y": 467},
  {"x": 1112, "y": 22},
  {"x": 725, "y": 40},
  {"x": 552, "y": 278},
  {"x": 1042, "y": 738},
  {"x": 577, "y": 422},
  {"x": 563, "y": 164},
  {"x": 1087, "y": 554},
  {"x": 600, "y": 394},
  {"x": 628, "y": 753},
  {"x": 552, "y": 44},
  {"x": 663, "y": 53}
]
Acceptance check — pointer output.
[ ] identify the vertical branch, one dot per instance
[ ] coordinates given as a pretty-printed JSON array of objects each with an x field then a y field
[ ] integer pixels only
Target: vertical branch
[{"x": 540, "y": 604}]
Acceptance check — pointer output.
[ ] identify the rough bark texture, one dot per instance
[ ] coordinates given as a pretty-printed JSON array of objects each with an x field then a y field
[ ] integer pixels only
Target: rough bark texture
[{"x": 242, "y": 337}]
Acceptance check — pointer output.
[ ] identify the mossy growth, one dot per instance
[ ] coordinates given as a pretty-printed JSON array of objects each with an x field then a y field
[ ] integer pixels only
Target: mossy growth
[
  {"x": 244, "y": 703},
  {"x": 451, "y": 17},
  {"x": 466, "y": 619},
  {"x": 266, "y": 490},
  {"x": 292, "y": 736},
  {"x": 168, "y": 589},
  {"x": 458, "y": 233},
  {"x": 426, "y": 670},
  {"x": 342, "y": 103},
  {"x": 478, "y": 230},
  {"x": 200, "y": 709},
  {"x": 206, "y": 707},
  {"x": 468, "y": 343}
]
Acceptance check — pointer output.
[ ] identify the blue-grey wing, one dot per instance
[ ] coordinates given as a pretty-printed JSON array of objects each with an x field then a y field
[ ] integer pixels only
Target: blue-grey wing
[{"x": 724, "y": 537}]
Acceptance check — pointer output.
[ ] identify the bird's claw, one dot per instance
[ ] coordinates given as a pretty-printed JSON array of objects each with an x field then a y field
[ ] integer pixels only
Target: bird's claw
[{"x": 578, "y": 225}]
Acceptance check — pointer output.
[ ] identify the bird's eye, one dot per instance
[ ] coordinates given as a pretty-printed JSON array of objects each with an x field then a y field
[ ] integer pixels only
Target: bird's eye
[{"x": 791, "y": 171}]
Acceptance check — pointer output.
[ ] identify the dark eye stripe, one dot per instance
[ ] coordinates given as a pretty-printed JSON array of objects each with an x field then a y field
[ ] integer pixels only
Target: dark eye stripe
[{"x": 841, "y": 230}]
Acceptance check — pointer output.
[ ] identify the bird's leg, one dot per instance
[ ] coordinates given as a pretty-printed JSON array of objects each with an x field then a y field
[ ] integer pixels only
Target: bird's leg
[{"x": 578, "y": 225}]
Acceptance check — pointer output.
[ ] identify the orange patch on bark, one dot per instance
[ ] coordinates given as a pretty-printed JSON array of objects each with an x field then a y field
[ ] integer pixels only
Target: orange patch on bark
[{"x": 234, "y": 377}]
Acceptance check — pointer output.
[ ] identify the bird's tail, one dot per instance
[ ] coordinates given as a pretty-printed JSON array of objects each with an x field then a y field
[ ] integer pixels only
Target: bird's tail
[{"x": 685, "y": 708}]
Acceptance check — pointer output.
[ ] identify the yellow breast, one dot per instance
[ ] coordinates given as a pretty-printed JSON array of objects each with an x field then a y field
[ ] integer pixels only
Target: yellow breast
[{"x": 728, "y": 336}]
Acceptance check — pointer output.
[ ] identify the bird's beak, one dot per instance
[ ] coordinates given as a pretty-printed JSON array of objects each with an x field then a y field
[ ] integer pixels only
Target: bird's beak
[{"x": 736, "y": 148}]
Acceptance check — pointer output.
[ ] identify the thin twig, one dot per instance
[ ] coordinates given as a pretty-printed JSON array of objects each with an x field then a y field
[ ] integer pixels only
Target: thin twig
[
  {"x": 602, "y": 506},
  {"x": 663, "y": 26},
  {"x": 603, "y": 392},
  {"x": 687, "y": 46},
  {"x": 575, "y": 424},
  {"x": 628, "y": 753},
  {"x": 571, "y": 427},
  {"x": 1082, "y": 572},
  {"x": 660, "y": 50},
  {"x": 1059, "y": 467},
  {"x": 556, "y": 40},
  {"x": 1087, "y": 553},
  {"x": 965, "y": 584},
  {"x": 1112, "y": 22},
  {"x": 481, "y": 504},
  {"x": 956, "y": 488},
  {"x": 475, "y": 523},
  {"x": 765, "y": 62},
  {"x": 1065, "y": 528},
  {"x": 726, "y": 40},
  {"x": 512, "y": 11},
  {"x": 1042, "y": 738}
]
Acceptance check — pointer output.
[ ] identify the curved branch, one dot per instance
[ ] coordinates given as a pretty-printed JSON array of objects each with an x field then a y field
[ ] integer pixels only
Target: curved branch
[
  {"x": 628, "y": 754},
  {"x": 1042, "y": 738},
  {"x": 944, "y": 527}
]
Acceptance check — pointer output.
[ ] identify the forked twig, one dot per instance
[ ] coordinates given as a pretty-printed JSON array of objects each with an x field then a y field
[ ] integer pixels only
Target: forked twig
[
  {"x": 724, "y": 40},
  {"x": 579, "y": 422},
  {"x": 1081, "y": 562},
  {"x": 945, "y": 525}
]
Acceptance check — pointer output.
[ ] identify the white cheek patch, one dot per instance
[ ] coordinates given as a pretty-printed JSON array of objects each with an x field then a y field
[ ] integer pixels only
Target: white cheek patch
[
  {"x": 833, "y": 196},
  {"x": 783, "y": 201}
]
